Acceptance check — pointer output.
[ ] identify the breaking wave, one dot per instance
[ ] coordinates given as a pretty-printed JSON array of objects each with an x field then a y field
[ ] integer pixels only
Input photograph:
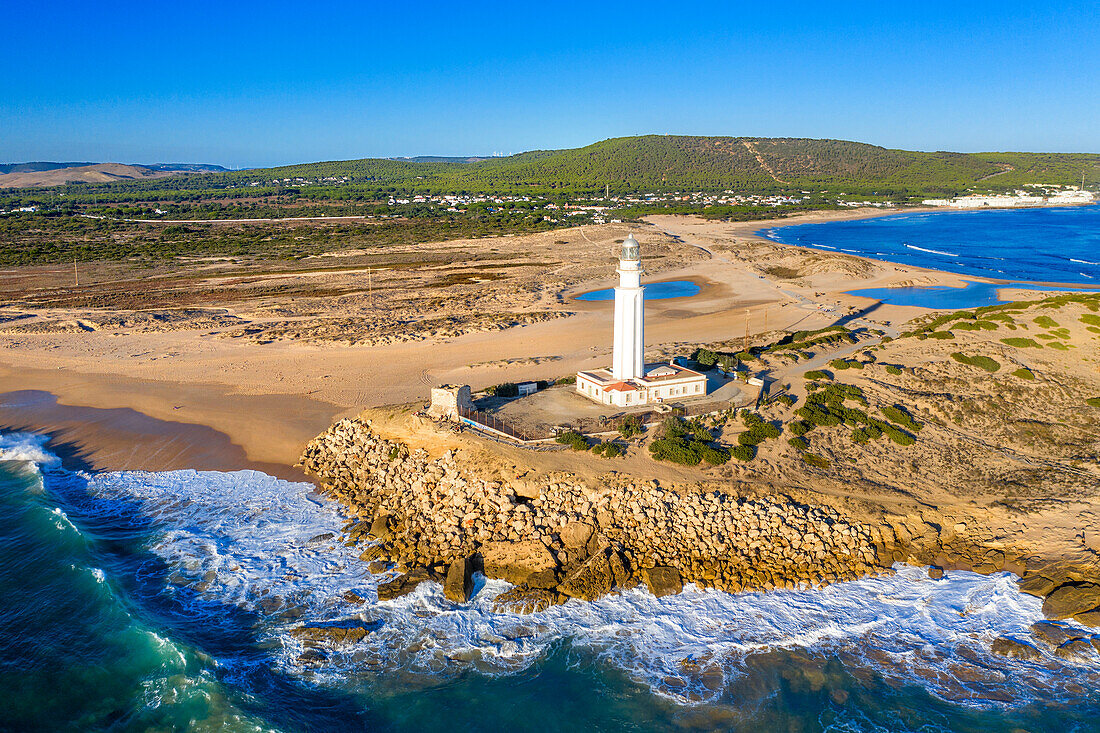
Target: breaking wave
[
  {"x": 273, "y": 549},
  {"x": 931, "y": 251}
]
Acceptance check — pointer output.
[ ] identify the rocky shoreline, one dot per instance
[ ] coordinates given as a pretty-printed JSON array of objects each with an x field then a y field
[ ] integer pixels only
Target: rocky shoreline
[{"x": 556, "y": 536}]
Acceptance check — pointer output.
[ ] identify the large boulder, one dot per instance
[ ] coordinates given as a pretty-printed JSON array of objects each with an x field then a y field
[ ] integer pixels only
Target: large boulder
[
  {"x": 591, "y": 580},
  {"x": 1052, "y": 634},
  {"x": 380, "y": 527},
  {"x": 527, "y": 562},
  {"x": 1070, "y": 600},
  {"x": 1007, "y": 647},
  {"x": 1037, "y": 585},
  {"x": 1076, "y": 650},
  {"x": 330, "y": 635},
  {"x": 663, "y": 580},
  {"x": 523, "y": 599},
  {"x": 575, "y": 535},
  {"x": 459, "y": 583},
  {"x": 403, "y": 585}
]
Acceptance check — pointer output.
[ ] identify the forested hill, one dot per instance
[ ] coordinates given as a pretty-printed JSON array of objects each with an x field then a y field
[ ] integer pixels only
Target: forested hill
[
  {"x": 665, "y": 162},
  {"x": 651, "y": 163}
]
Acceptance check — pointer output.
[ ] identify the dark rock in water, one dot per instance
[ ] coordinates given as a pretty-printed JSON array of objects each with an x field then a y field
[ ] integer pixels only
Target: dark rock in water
[
  {"x": 1037, "y": 585},
  {"x": 353, "y": 597},
  {"x": 1070, "y": 600},
  {"x": 374, "y": 552},
  {"x": 358, "y": 529},
  {"x": 459, "y": 583},
  {"x": 663, "y": 581},
  {"x": 522, "y": 599},
  {"x": 380, "y": 527},
  {"x": 312, "y": 657},
  {"x": 321, "y": 538},
  {"x": 379, "y": 566},
  {"x": 1052, "y": 634},
  {"x": 1007, "y": 647},
  {"x": 591, "y": 580},
  {"x": 331, "y": 635},
  {"x": 1076, "y": 650},
  {"x": 1088, "y": 618},
  {"x": 935, "y": 572},
  {"x": 403, "y": 584}
]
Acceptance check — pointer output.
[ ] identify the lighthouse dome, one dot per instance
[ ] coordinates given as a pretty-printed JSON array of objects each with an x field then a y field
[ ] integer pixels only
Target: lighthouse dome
[{"x": 630, "y": 249}]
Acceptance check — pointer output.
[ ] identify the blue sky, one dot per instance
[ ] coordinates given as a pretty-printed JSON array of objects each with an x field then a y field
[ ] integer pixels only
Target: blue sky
[{"x": 246, "y": 84}]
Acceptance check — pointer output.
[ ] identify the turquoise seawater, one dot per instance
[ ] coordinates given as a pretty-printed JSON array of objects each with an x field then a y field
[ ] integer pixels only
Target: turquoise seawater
[
  {"x": 652, "y": 291},
  {"x": 1052, "y": 245},
  {"x": 165, "y": 601}
]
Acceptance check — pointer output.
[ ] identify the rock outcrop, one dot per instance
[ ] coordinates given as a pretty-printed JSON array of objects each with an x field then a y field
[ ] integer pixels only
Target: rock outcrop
[{"x": 557, "y": 537}]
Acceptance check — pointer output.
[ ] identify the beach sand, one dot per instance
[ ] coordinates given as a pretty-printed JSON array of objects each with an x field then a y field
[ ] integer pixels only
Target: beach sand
[{"x": 266, "y": 398}]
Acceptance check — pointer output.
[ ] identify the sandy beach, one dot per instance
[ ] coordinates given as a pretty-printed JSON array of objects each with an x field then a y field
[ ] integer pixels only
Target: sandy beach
[{"x": 266, "y": 397}]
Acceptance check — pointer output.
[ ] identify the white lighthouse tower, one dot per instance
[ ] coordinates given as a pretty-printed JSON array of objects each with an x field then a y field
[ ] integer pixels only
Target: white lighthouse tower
[
  {"x": 627, "y": 360},
  {"x": 630, "y": 382}
]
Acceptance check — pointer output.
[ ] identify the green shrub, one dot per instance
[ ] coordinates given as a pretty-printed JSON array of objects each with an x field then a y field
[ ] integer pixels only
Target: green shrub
[
  {"x": 941, "y": 335},
  {"x": 1024, "y": 373},
  {"x": 674, "y": 450},
  {"x": 1093, "y": 402},
  {"x": 567, "y": 380},
  {"x": 892, "y": 369},
  {"x": 898, "y": 436},
  {"x": 630, "y": 427},
  {"x": 1021, "y": 343},
  {"x": 1090, "y": 319},
  {"x": 800, "y": 427},
  {"x": 1058, "y": 345},
  {"x": 714, "y": 456},
  {"x": 898, "y": 414},
  {"x": 982, "y": 362},
  {"x": 507, "y": 389},
  {"x": 839, "y": 364},
  {"x": 705, "y": 358},
  {"x": 814, "y": 460},
  {"x": 798, "y": 444},
  {"x": 1046, "y": 322},
  {"x": 608, "y": 450},
  {"x": 573, "y": 439},
  {"x": 743, "y": 452},
  {"x": 815, "y": 374},
  {"x": 866, "y": 434}
]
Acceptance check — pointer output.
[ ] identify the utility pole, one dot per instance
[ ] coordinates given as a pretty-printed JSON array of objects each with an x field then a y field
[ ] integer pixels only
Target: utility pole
[
  {"x": 76, "y": 273},
  {"x": 746, "y": 346},
  {"x": 370, "y": 290}
]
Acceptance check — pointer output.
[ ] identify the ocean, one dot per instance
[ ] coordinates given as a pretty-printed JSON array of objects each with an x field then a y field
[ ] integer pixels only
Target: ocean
[
  {"x": 166, "y": 601},
  {"x": 1041, "y": 245}
]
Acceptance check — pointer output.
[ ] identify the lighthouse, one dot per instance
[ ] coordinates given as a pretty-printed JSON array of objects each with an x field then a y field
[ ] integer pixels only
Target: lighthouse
[
  {"x": 627, "y": 360},
  {"x": 630, "y": 382}
]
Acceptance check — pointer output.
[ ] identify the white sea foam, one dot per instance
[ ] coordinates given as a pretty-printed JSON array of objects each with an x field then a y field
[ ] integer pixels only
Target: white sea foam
[
  {"x": 255, "y": 541},
  {"x": 932, "y": 251},
  {"x": 1083, "y": 262},
  {"x": 26, "y": 448}
]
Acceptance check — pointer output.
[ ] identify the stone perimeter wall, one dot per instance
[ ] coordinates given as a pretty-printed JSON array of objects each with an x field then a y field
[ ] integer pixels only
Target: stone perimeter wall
[{"x": 559, "y": 537}]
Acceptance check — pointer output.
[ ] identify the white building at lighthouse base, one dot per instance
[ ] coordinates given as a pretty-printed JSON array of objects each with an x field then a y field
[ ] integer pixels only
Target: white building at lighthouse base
[{"x": 661, "y": 383}]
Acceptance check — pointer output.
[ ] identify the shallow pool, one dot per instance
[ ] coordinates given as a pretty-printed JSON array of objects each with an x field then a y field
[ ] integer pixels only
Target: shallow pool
[
  {"x": 653, "y": 291},
  {"x": 973, "y": 295}
]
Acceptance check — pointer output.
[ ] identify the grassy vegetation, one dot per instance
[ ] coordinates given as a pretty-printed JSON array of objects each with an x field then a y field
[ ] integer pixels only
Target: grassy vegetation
[
  {"x": 1093, "y": 401},
  {"x": 893, "y": 369},
  {"x": 815, "y": 374},
  {"x": 687, "y": 443},
  {"x": 1046, "y": 322},
  {"x": 826, "y": 408},
  {"x": 574, "y": 440},
  {"x": 982, "y": 362},
  {"x": 842, "y": 364},
  {"x": 1024, "y": 373},
  {"x": 1091, "y": 319},
  {"x": 1021, "y": 342}
]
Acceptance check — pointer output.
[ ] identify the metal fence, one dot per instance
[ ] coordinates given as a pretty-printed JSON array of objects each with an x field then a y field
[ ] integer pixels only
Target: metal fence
[{"x": 492, "y": 422}]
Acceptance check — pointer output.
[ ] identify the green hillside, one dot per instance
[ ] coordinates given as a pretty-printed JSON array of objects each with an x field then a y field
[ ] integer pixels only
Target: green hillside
[{"x": 646, "y": 164}]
